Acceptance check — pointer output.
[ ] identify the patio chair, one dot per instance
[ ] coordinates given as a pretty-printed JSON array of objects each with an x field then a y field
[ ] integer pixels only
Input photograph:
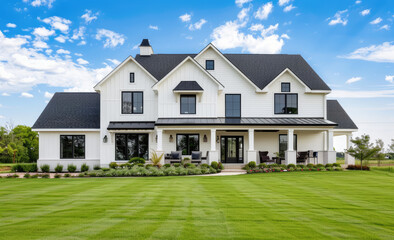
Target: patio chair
[
  {"x": 302, "y": 157},
  {"x": 196, "y": 157},
  {"x": 176, "y": 157},
  {"x": 264, "y": 158}
]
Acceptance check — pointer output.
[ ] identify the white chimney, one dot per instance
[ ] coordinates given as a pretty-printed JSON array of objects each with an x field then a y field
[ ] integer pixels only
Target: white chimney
[{"x": 145, "y": 48}]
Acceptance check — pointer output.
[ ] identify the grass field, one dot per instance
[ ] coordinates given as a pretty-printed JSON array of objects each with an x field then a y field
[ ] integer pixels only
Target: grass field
[{"x": 320, "y": 205}]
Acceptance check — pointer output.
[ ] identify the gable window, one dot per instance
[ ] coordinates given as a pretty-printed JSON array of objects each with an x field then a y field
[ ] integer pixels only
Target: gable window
[
  {"x": 233, "y": 105},
  {"x": 132, "y": 77},
  {"x": 132, "y": 102},
  {"x": 286, "y": 103},
  {"x": 210, "y": 65},
  {"x": 72, "y": 146},
  {"x": 285, "y": 87},
  {"x": 128, "y": 146},
  {"x": 283, "y": 143},
  {"x": 187, "y": 143},
  {"x": 188, "y": 104}
]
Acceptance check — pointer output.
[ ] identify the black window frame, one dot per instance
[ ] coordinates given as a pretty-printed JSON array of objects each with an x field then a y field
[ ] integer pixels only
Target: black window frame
[
  {"x": 210, "y": 61},
  {"x": 195, "y": 103},
  {"x": 295, "y": 139},
  {"x": 132, "y": 80},
  {"x": 126, "y": 135},
  {"x": 286, "y": 107},
  {"x": 240, "y": 105},
  {"x": 188, "y": 151},
  {"x": 73, "y": 152},
  {"x": 132, "y": 102},
  {"x": 283, "y": 84}
]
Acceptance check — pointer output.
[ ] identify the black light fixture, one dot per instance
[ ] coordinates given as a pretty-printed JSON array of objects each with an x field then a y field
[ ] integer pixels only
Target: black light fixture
[
  {"x": 156, "y": 138},
  {"x": 217, "y": 139},
  {"x": 171, "y": 138},
  {"x": 105, "y": 139},
  {"x": 205, "y": 139}
]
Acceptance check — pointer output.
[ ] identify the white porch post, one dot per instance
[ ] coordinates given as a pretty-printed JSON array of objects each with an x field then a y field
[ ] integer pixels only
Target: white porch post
[
  {"x": 330, "y": 154},
  {"x": 251, "y": 152},
  {"x": 159, "y": 144},
  {"x": 349, "y": 160},
  {"x": 290, "y": 154},
  {"x": 213, "y": 154}
]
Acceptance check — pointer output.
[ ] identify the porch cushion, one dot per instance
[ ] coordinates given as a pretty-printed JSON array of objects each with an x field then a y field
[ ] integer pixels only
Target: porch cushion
[
  {"x": 175, "y": 155},
  {"x": 196, "y": 155}
]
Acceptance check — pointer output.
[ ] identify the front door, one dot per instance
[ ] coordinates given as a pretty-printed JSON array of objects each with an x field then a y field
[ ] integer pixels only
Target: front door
[{"x": 232, "y": 149}]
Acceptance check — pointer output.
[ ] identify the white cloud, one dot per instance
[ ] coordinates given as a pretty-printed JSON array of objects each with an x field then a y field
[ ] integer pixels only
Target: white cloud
[
  {"x": 376, "y": 21},
  {"x": 375, "y": 53},
  {"x": 5, "y": 94},
  {"x": 338, "y": 18},
  {"x": 22, "y": 67},
  {"x": 61, "y": 39},
  {"x": 240, "y": 3},
  {"x": 153, "y": 27},
  {"x": 288, "y": 8},
  {"x": 198, "y": 25},
  {"x": 358, "y": 2},
  {"x": 11, "y": 25},
  {"x": 243, "y": 13},
  {"x": 111, "y": 39},
  {"x": 362, "y": 94},
  {"x": 78, "y": 54},
  {"x": 42, "y": 32},
  {"x": 353, "y": 80},
  {"x": 263, "y": 12},
  {"x": 283, "y": 2},
  {"x": 48, "y": 95},
  {"x": 264, "y": 31},
  {"x": 38, "y": 3},
  {"x": 390, "y": 78},
  {"x": 82, "y": 61},
  {"x": 365, "y": 12},
  {"x": 2, "y": 117},
  {"x": 135, "y": 47},
  {"x": 89, "y": 17},
  {"x": 185, "y": 17},
  {"x": 58, "y": 23},
  {"x": 284, "y": 35},
  {"x": 189, "y": 37},
  {"x": 386, "y": 27},
  {"x": 40, "y": 44},
  {"x": 1, "y": 105},
  {"x": 114, "y": 61},
  {"x": 81, "y": 43},
  {"x": 62, "y": 51},
  {"x": 26, "y": 95},
  {"x": 78, "y": 33}
]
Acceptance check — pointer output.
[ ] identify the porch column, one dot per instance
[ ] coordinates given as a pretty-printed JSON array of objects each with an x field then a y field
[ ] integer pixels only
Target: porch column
[
  {"x": 330, "y": 154},
  {"x": 290, "y": 154},
  {"x": 252, "y": 157},
  {"x": 159, "y": 144},
  {"x": 349, "y": 160},
  {"x": 213, "y": 154}
]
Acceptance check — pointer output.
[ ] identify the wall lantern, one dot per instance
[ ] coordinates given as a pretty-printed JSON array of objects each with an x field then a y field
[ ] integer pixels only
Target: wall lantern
[
  {"x": 171, "y": 138},
  {"x": 217, "y": 139},
  {"x": 205, "y": 139},
  {"x": 156, "y": 138},
  {"x": 105, "y": 139}
]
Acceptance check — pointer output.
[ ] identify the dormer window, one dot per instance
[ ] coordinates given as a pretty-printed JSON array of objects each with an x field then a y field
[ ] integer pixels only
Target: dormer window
[
  {"x": 132, "y": 77},
  {"x": 210, "y": 65},
  {"x": 285, "y": 87}
]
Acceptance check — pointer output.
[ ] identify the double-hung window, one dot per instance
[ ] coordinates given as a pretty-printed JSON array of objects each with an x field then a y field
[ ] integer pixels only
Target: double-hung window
[
  {"x": 233, "y": 105},
  {"x": 72, "y": 146},
  {"x": 132, "y": 102},
  {"x": 286, "y": 103},
  {"x": 188, "y": 104},
  {"x": 187, "y": 143}
]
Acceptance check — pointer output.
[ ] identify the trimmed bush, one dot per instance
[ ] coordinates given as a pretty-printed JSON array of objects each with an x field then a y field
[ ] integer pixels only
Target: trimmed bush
[
  {"x": 319, "y": 165},
  {"x": 177, "y": 164},
  {"x": 262, "y": 165},
  {"x": 105, "y": 169},
  {"x": 58, "y": 168},
  {"x": 126, "y": 165},
  {"x": 204, "y": 165},
  {"x": 45, "y": 168},
  {"x": 57, "y": 176},
  {"x": 167, "y": 165},
  {"x": 136, "y": 161},
  {"x": 357, "y": 167},
  {"x": 291, "y": 165},
  {"x": 71, "y": 168},
  {"x": 26, "y": 175},
  {"x": 329, "y": 165},
  {"x": 147, "y": 166},
  {"x": 214, "y": 165},
  {"x": 96, "y": 167},
  {"x": 84, "y": 167},
  {"x": 67, "y": 175},
  {"x": 336, "y": 165},
  {"x": 24, "y": 167},
  {"x": 188, "y": 165},
  {"x": 34, "y": 176},
  {"x": 45, "y": 175},
  {"x": 309, "y": 165},
  {"x": 113, "y": 165},
  {"x": 220, "y": 166}
]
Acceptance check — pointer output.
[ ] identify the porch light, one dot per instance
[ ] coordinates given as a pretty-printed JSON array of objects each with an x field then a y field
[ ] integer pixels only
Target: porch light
[
  {"x": 217, "y": 139},
  {"x": 105, "y": 139},
  {"x": 156, "y": 138},
  {"x": 171, "y": 138},
  {"x": 205, "y": 139}
]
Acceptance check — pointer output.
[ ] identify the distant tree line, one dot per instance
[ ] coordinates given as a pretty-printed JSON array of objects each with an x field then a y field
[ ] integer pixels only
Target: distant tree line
[{"x": 18, "y": 144}]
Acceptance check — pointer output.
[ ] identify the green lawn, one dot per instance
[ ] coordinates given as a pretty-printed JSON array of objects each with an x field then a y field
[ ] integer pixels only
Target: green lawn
[{"x": 315, "y": 205}]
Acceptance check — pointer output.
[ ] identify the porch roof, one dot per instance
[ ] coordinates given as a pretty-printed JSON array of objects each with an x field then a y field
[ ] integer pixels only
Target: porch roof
[
  {"x": 246, "y": 121},
  {"x": 131, "y": 125}
]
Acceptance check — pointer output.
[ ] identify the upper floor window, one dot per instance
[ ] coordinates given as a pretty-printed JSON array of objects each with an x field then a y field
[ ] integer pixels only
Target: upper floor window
[
  {"x": 286, "y": 103},
  {"x": 285, "y": 87},
  {"x": 132, "y": 77},
  {"x": 132, "y": 102},
  {"x": 210, "y": 65},
  {"x": 188, "y": 104},
  {"x": 233, "y": 105},
  {"x": 72, "y": 146}
]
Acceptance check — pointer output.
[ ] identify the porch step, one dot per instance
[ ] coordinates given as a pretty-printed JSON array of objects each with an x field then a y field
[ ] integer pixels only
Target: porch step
[{"x": 232, "y": 167}]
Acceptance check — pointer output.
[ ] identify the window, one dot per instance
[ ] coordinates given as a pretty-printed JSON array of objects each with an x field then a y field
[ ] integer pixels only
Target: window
[
  {"x": 132, "y": 102},
  {"x": 283, "y": 143},
  {"x": 286, "y": 103},
  {"x": 128, "y": 146},
  {"x": 72, "y": 146},
  {"x": 233, "y": 105},
  {"x": 188, "y": 104},
  {"x": 210, "y": 65},
  {"x": 285, "y": 87},
  {"x": 187, "y": 143},
  {"x": 132, "y": 77}
]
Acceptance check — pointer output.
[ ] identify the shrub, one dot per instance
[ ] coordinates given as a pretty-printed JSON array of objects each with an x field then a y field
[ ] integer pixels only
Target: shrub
[
  {"x": 188, "y": 165},
  {"x": 167, "y": 165},
  {"x": 136, "y": 161},
  {"x": 105, "y": 169},
  {"x": 301, "y": 166},
  {"x": 177, "y": 164},
  {"x": 214, "y": 165},
  {"x": 357, "y": 167},
  {"x": 336, "y": 165},
  {"x": 45, "y": 175},
  {"x": 96, "y": 167},
  {"x": 274, "y": 165},
  {"x": 113, "y": 165},
  {"x": 309, "y": 165},
  {"x": 204, "y": 165},
  {"x": 45, "y": 168},
  {"x": 71, "y": 168},
  {"x": 57, "y": 176},
  {"x": 34, "y": 176},
  {"x": 24, "y": 167},
  {"x": 81, "y": 175},
  {"x": 126, "y": 165},
  {"x": 186, "y": 159},
  {"x": 329, "y": 165},
  {"x": 262, "y": 165},
  {"x": 320, "y": 165},
  {"x": 252, "y": 164},
  {"x": 147, "y": 166},
  {"x": 84, "y": 167},
  {"x": 212, "y": 170},
  {"x": 220, "y": 166},
  {"x": 58, "y": 168},
  {"x": 291, "y": 165},
  {"x": 246, "y": 167},
  {"x": 26, "y": 175},
  {"x": 156, "y": 158},
  {"x": 67, "y": 175}
]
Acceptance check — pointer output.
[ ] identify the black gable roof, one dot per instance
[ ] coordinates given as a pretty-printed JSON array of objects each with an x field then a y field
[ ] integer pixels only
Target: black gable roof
[
  {"x": 71, "y": 110},
  {"x": 188, "y": 86},
  {"x": 336, "y": 113}
]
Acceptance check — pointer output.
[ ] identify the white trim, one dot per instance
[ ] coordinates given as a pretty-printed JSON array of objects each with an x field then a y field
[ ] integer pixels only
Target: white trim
[
  {"x": 66, "y": 129},
  {"x": 120, "y": 66}
]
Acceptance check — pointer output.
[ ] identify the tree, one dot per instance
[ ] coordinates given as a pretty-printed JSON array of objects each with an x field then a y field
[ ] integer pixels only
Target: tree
[
  {"x": 363, "y": 149},
  {"x": 391, "y": 146},
  {"x": 380, "y": 155}
]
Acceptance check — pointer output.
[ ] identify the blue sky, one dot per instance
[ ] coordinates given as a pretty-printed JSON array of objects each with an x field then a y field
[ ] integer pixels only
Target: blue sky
[{"x": 57, "y": 45}]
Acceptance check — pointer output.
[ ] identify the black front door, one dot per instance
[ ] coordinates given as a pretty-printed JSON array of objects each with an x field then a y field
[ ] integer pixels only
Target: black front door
[{"x": 232, "y": 149}]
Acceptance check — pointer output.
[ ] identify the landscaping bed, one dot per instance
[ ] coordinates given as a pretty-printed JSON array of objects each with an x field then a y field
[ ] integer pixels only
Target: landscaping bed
[{"x": 276, "y": 168}]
